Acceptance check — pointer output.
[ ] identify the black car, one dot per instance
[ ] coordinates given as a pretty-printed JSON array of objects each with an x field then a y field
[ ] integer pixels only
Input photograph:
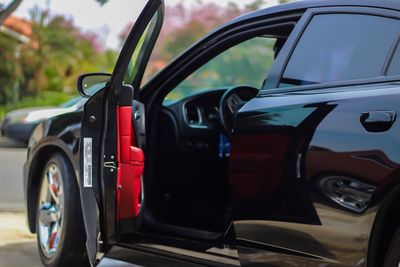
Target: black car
[{"x": 299, "y": 167}]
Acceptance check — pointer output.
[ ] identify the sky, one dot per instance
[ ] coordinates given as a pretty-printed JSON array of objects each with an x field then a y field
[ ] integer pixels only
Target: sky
[{"x": 109, "y": 20}]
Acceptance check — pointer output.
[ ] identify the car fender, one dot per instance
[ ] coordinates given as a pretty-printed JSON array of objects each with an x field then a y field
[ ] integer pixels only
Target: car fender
[{"x": 42, "y": 144}]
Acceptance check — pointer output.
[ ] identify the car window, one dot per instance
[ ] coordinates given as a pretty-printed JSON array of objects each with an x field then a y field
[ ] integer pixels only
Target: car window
[
  {"x": 339, "y": 47},
  {"x": 151, "y": 31},
  {"x": 394, "y": 67},
  {"x": 244, "y": 64}
]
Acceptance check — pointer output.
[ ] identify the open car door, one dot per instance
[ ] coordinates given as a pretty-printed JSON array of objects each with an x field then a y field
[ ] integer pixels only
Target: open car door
[{"x": 111, "y": 156}]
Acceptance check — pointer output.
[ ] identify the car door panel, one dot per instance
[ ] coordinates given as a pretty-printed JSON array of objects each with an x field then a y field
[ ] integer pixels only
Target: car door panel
[
  {"x": 130, "y": 159},
  {"x": 90, "y": 189},
  {"x": 325, "y": 201},
  {"x": 110, "y": 202}
]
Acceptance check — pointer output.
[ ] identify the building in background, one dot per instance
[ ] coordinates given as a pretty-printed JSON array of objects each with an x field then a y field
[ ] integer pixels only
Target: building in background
[{"x": 17, "y": 28}]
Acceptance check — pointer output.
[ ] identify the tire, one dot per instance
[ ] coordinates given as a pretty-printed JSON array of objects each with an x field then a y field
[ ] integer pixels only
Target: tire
[
  {"x": 393, "y": 255},
  {"x": 59, "y": 223}
]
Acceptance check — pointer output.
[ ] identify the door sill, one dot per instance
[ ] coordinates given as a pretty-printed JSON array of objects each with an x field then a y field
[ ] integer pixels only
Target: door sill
[{"x": 211, "y": 257}]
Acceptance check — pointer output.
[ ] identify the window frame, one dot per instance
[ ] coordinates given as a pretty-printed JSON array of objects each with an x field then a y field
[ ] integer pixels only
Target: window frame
[
  {"x": 278, "y": 69},
  {"x": 393, "y": 51}
]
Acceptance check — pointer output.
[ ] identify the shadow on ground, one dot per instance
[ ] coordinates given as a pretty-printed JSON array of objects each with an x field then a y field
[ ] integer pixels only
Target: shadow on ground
[
  {"x": 10, "y": 143},
  {"x": 20, "y": 254},
  {"x": 26, "y": 254},
  {"x": 18, "y": 247}
]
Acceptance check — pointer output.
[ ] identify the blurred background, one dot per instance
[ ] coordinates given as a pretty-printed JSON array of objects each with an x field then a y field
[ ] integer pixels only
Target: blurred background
[{"x": 46, "y": 44}]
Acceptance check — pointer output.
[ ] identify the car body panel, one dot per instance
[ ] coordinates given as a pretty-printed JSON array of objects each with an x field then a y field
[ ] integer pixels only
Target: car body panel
[
  {"x": 326, "y": 141},
  {"x": 60, "y": 133}
]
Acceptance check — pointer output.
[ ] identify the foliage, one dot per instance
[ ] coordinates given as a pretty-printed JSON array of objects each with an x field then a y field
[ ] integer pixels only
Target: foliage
[
  {"x": 57, "y": 53},
  {"x": 9, "y": 71}
]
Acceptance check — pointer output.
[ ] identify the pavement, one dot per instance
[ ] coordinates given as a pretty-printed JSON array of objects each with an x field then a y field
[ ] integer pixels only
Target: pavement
[
  {"x": 17, "y": 244},
  {"x": 12, "y": 158}
]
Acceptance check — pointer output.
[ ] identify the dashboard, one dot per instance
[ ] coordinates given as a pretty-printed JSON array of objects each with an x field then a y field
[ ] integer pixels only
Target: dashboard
[{"x": 193, "y": 122}]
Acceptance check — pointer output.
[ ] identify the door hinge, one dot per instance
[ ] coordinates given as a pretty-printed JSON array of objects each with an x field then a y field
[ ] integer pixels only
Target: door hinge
[
  {"x": 100, "y": 248},
  {"x": 112, "y": 165}
]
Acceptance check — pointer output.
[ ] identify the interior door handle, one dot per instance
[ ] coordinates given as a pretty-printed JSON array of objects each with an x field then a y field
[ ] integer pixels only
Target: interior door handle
[{"x": 378, "y": 121}]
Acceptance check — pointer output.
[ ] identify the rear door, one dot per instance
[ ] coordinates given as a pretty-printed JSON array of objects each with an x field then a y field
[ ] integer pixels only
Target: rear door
[
  {"x": 310, "y": 151},
  {"x": 112, "y": 160}
]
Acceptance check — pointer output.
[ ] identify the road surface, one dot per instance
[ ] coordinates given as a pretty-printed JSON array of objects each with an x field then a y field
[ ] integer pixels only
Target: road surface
[{"x": 12, "y": 158}]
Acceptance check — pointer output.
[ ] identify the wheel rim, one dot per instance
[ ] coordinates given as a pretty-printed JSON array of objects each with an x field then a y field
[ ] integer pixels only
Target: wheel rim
[{"x": 50, "y": 210}]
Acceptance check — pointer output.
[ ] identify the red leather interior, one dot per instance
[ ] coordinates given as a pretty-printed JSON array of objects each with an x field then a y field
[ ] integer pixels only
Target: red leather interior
[
  {"x": 130, "y": 166},
  {"x": 256, "y": 164}
]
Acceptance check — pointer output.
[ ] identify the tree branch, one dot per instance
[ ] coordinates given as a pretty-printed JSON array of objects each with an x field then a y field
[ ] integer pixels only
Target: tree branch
[
  {"x": 101, "y": 2},
  {"x": 6, "y": 11}
]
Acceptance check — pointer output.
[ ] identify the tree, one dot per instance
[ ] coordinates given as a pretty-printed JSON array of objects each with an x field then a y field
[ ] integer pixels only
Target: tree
[
  {"x": 57, "y": 53},
  {"x": 6, "y": 10},
  {"x": 9, "y": 69}
]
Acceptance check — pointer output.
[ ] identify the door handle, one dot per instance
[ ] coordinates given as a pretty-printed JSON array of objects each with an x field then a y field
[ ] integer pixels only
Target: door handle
[{"x": 378, "y": 121}]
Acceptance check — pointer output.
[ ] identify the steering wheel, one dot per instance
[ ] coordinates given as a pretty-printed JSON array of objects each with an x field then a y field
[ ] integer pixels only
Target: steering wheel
[{"x": 231, "y": 101}]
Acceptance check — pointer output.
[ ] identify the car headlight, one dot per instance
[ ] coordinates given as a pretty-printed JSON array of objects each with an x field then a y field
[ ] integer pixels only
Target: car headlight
[
  {"x": 34, "y": 117},
  {"x": 17, "y": 119}
]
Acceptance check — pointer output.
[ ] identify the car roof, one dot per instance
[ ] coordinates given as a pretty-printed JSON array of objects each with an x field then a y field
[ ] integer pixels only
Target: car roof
[{"x": 306, "y": 4}]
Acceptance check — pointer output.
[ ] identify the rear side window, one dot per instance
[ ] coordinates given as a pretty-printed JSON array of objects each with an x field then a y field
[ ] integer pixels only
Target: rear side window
[
  {"x": 339, "y": 47},
  {"x": 394, "y": 67}
]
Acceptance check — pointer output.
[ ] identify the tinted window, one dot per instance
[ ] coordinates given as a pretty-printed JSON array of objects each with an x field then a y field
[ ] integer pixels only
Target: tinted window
[
  {"x": 341, "y": 47},
  {"x": 394, "y": 68}
]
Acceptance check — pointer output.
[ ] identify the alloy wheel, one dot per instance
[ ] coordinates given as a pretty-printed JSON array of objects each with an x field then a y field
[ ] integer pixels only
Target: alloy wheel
[{"x": 50, "y": 210}]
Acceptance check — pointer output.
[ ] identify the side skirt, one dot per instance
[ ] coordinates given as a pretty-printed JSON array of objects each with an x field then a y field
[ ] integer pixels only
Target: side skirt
[{"x": 159, "y": 255}]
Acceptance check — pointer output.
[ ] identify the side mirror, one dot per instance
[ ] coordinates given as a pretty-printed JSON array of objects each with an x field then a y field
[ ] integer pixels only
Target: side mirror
[{"x": 90, "y": 83}]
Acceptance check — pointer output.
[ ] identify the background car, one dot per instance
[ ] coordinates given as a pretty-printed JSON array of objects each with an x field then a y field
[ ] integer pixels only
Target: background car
[{"x": 19, "y": 124}]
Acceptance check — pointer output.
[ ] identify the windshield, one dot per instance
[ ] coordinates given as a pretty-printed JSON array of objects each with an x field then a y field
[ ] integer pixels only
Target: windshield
[
  {"x": 70, "y": 103},
  {"x": 90, "y": 91},
  {"x": 141, "y": 55}
]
